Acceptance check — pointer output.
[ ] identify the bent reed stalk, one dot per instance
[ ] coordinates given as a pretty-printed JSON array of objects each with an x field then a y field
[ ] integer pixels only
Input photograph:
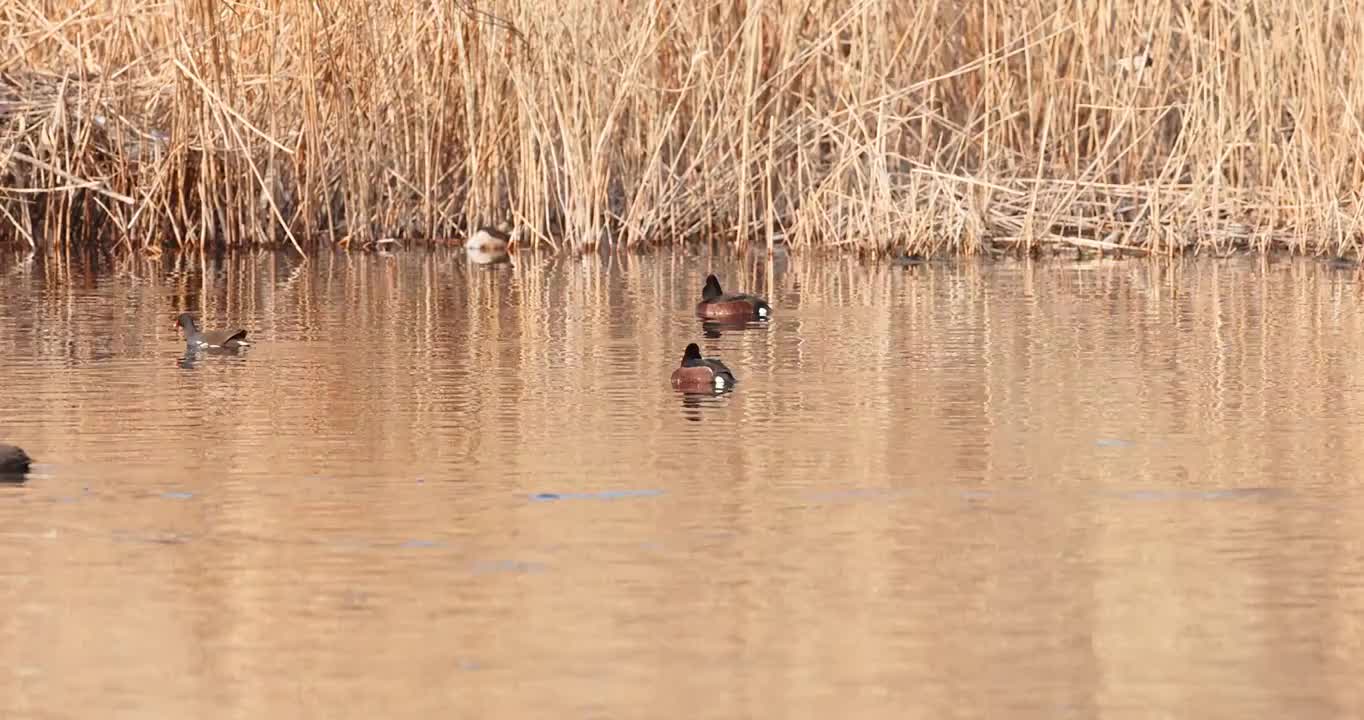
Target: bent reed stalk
[{"x": 940, "y": 126}]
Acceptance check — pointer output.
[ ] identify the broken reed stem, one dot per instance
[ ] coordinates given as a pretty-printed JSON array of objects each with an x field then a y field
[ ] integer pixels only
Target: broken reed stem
[{"x": 947, "y": 127}]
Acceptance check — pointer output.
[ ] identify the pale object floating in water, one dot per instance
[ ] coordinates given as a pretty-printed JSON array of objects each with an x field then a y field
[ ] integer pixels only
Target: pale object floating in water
[{"x": 488, "y": 246}]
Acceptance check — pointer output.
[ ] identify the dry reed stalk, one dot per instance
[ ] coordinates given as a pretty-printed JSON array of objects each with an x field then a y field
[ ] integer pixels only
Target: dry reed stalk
[{"x": 937, "y": 127}]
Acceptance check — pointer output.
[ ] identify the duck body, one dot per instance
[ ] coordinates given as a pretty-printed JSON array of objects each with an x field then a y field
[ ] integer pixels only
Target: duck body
[
  {"x": 13, "y": 460},
  {"x": 488, "y": 239},
  {"x": 716, "y": 304},
  {"x": 229, "y": 339},
  {"x": 488, "y": 246},
  {"x": 701, "y": 374}
]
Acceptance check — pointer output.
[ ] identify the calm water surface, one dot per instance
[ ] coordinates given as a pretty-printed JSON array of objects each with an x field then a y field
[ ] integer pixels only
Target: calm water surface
[{"x": 1010, "y": 490}]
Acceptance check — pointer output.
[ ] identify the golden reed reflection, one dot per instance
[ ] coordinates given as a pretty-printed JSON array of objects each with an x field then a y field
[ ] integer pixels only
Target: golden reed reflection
[{"x": 984, "y": 489}]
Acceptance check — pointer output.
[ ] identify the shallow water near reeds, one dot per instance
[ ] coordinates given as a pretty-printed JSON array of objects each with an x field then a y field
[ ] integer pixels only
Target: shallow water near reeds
[{"x": 431, "y": 489}]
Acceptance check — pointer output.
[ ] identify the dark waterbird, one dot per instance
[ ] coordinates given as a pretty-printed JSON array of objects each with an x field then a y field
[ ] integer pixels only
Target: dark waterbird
[
  {"x": 717, "y": 305},
  {"x": 229, "y": 339},
  {"x": 14, "y": 462},
  {"x": 701, "y": 374}
]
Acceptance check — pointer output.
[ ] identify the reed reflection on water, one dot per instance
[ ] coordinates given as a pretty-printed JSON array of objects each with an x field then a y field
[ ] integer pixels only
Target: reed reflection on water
[{"x": 433, "y": 488}]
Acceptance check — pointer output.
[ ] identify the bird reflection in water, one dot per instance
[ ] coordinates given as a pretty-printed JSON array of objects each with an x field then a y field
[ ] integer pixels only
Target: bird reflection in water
[
  {"x": 695, "y": 403},
  {"x": 713, "y": 329},
  {"x": 188, "y": 360},
  {"x": 194, "y": 354}
]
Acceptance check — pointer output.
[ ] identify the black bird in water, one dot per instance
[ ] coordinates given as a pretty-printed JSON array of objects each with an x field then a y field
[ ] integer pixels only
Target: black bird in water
[
  {"x": 14, "y": 463},
  {"x": 229, "y": 339}
]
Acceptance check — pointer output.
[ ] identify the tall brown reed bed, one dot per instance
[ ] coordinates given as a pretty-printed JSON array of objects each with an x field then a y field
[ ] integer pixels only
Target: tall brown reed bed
[{"x": 937, "y": 126}]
